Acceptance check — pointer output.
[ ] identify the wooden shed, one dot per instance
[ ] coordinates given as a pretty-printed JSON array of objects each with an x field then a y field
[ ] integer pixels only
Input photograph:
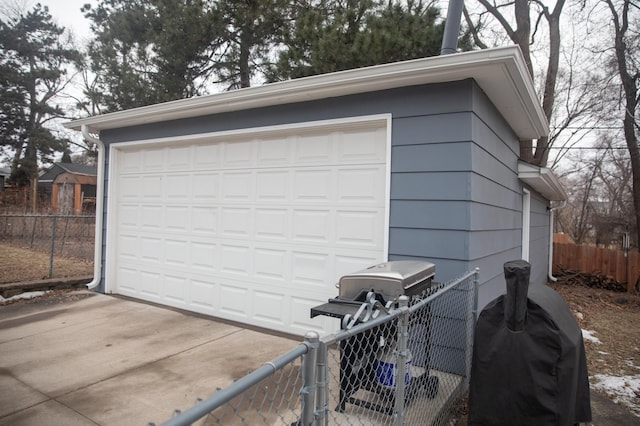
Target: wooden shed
[{"x": 72, "y": 187}]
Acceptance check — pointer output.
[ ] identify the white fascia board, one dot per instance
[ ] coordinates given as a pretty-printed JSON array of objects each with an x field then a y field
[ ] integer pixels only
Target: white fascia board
[
  {"x": 501, "y": 73},
  {"x": 542, "y": 180}
]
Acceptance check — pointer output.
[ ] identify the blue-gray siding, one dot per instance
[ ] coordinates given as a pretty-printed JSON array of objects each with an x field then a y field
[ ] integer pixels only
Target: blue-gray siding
[
  {"x": 539, "y": 239},
  {"x": 455, "y": 196}
]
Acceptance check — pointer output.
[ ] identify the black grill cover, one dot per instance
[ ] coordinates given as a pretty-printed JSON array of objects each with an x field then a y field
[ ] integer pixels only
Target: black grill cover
[{"x": 537, "y": 376}]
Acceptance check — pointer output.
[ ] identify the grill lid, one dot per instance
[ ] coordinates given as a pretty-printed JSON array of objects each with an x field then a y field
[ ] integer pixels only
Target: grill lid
[{"x": 392, "y": 279}]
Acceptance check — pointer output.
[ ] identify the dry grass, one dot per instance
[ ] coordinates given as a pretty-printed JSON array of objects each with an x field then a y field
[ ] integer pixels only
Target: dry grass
[
  {"x": 19, "y": 264},
  {"x": 614, "y": 319}
]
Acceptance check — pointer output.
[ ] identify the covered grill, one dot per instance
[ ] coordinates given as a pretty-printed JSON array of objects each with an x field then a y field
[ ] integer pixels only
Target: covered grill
[
  {"x": 366, "y": 363},
  {"x": 529, "y": 364}
]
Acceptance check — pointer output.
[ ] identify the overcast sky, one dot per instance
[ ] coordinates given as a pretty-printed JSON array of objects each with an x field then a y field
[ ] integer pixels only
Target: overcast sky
[{"x": 66, "y": 13}]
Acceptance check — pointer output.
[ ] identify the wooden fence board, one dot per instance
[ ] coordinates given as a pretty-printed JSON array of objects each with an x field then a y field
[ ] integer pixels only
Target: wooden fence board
[{"x": 621, "y": 266}]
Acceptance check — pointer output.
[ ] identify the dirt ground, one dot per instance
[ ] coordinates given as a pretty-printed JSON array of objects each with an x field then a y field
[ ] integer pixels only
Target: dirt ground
[
  {"x": 19, "y": 264},
  {"x": 614, "y": 319}
]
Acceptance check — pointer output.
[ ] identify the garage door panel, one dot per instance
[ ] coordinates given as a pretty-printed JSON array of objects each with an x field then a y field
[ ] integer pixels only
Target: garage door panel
[
  {"x": 204, "y": 294},
  {"x": 128, "y": 279},
  {"x": 128, "y": 215},
  {"x": 312, "y": 226},
  {"x": 313, "y": 149},
  {"x": 204, "y": 220},
  {"x": 311, "y": 268},
  {"x": 362, "y": 146},
  {"x": 235, "y": 259},
  {"x": 178, "y": 158},
  {"x": 128, "y": 247},
  {"x": 203, "y": 256},
  {"x": 151, "y": 187},
  {"x": 272, "y": 224},
  {"x": 153, "y": 159},
  {"x": 239, "y": 154},
  {"x": 253, "y": 229},
  {"x": 176, "y": 252},
  {"x": 357, "y": 228},
  {"x": 129, "y": 188},
  {"x": 151, "y": 249},
  {"x": 205, "y": 186},
  {"x": 270, "y": 308},
  {"x": 275, "y": 152},
  {"x": 150, "y": 285},
  {"x": 273, "y": 186},
  {"x": 207, "y": 156},
  {"x": 174, "y": 289},
  {"x": 175, "y": 219},
  {"x": 234, "y": 300},
  {"x": 314, "y": 185},
  {"x": 361, "y": 185},
  {"x": 177, "y": 187},
  {"x": 130, "y": 161},
  {"x": 237, "y": 186},
  {"x": 237, "y": 222},
  {"x": 271, "y": 264},
  {"x": 151, "y": 217}
]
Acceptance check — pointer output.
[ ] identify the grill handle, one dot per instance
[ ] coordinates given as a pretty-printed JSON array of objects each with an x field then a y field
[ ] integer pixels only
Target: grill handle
[{"x": 516, "y": 274}]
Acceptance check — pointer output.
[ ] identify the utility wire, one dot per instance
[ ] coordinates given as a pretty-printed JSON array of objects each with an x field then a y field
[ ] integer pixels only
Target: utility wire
[{"x": 586, "y": 147}]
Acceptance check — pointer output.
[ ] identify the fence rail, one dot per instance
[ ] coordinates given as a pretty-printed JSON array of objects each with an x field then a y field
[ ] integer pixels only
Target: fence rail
[
  {"x": 404, "y": 366},
  {"x": 623, "y": 266}
]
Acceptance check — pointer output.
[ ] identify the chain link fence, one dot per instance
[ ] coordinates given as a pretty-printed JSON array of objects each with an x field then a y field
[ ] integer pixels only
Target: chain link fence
[
  {"x": 405, "y": 366},
  {"x": 69, "y": 236}
]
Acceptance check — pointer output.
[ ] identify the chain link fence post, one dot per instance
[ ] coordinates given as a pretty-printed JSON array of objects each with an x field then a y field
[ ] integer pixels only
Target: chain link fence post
[
  {"x": 476, "y": 285},
  {"x": 308, "y": 391},
  {"x": 403, "y": 358},
  {"x": 321, "y": 382},
  {"x": 53, "y": 244}
]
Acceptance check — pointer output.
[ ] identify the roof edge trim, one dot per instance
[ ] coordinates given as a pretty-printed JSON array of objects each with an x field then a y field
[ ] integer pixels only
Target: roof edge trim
[
  {"x": 542, "y": 180},
  {"x": 518, "y": 102}
]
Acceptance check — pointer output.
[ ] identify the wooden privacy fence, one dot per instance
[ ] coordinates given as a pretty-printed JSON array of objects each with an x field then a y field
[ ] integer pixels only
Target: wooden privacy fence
[{"x": 621, "y": 266}]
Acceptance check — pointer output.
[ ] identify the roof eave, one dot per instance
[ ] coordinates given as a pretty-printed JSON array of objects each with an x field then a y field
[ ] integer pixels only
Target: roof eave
[
  {"x": 542, "y": 180},
  {"x": 501, "y": 73}
]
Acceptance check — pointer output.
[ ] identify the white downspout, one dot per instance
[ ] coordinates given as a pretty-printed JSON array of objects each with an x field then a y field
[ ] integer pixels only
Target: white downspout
[
  {"x": 97, "y": 254},
  {"x": 551, "y": 213}
]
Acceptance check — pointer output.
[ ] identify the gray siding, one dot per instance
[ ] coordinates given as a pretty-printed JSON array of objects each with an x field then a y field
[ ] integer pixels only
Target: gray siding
[
  {"x": 496, "y": 236},
  {"x": 539, "y": 239}
]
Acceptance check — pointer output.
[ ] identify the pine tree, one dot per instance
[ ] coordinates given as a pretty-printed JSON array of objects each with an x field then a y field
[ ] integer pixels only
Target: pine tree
[
  {"x": 34, "y": 59},
  {"x": 334, "y": 35}
]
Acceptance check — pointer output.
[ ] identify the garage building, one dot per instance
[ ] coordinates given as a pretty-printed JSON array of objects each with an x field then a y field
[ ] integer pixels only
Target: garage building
[{"x": 249, "y": 205}]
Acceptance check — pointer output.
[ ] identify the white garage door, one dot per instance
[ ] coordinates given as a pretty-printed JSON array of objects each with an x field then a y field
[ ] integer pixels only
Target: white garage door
[{"x": 254, "y": 227}]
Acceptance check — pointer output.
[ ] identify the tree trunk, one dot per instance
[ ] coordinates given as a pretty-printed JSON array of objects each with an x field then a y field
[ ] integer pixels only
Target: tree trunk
[
  {"x": 523, "y": 31},
  {"x": 245, "y": 72},
  {"x": 542, "y": 147},
  {"x": 621, "y": 23}
]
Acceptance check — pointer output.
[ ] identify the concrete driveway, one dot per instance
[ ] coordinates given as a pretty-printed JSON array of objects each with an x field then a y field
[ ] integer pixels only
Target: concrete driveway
[{"x": 104, "y": 360}]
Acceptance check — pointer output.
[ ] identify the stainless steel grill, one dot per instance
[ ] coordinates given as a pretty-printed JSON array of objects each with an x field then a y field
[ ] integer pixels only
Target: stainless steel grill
[
  {"x": 384, "y": 283},
  {"x": 368, "y": 364},
  {"x": 389, "y": 279}
]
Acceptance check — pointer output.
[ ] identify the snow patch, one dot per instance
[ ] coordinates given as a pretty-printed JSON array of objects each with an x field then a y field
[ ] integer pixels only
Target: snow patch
[
  {"x": 25, "y": 295},
  {"x": 625, "y": 390},
  {"x": 589, "y": 335}
]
